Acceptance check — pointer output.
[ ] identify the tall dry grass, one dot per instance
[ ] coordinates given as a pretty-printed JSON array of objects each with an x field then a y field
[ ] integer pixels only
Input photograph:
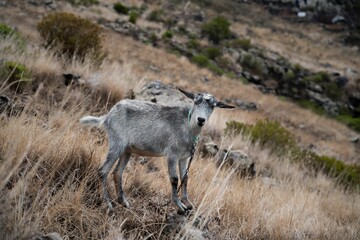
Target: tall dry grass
[{"x": 49, "y": 184}]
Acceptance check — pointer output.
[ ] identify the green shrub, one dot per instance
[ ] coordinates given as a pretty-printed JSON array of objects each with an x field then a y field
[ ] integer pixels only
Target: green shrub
[
  {"x": 250, "y": 62},
  {"x": 16, "y": 74},
  {"x": 200, "y": 60},
  {"x": 215, "y": 69},
  {"x": 236, "y": 128},
  {"x": 156, "y": 15},
  {"x": 153, "y": 38},
  {"x": 167, "y": 34},
  {"x": 298, "y": 68},
  {"x": 194, "y": 44},
  {"x": 312, "y": 106},
  {"x": 121, "y": 9},
  {"x": 346, "y": 174},
  {"x": 289, "y": 76},
  {"x": 72, "y": 35},
  {"x": 217, "y": 29},
  {"x": 350, "y": 121},
  {"x": 182, "y": 29},
  {"x": 242, "y": 43},
  {"x": 224, "y": 63},
  {"x": 318, "y": 77},
  {"x": 84, "y": 2},
  {"x": 267, "y": 133},
  {"x": 133, "y": 16},
  {"x": 7, "y": 31},
  {"x": 231, "y": 75},
  {"x": 272, "y": 135},
  {"x": 333, "y": 91},
  {"x": 212, "y": 52}
]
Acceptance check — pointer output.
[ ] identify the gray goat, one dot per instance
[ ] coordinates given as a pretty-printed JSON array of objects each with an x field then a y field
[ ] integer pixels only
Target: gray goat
[{"x": 149, "y": 129}]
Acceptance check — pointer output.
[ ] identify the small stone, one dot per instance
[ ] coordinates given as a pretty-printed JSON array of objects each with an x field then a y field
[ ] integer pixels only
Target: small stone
[{"x": 355, "y": 140}]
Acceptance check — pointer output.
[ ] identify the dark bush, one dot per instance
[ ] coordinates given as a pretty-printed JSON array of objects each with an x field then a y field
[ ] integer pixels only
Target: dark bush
[
  {"x": 133, "y": 16},
  {"x": 5, "y": 30},
  {"x": 156, "y": 15},
  {"x": 72, "y": 35},
  {"x": 289, "y": 76},
  {"x": 200, "y": 60},
  {"x": 121, "y": 9},
  {"x": 194, "y": 44},
  {"x": 318, "y": 77},
  {"x": 252, "y": 63},
  {"x": 167, "y": 34},
  {"x": 84, "y": 2},
  {"x": 215, "y": 69},
  {"x": 350, "y": 121},
  {"x": 217, "y": 29},
  {"x": 333, "y": 91},
  {"x": 243, "y": 43},
  {"x": 212, "y": 52}
]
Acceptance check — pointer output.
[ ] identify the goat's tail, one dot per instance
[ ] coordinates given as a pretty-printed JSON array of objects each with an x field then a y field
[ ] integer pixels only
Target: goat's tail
[{"x": 93, "y": 121}]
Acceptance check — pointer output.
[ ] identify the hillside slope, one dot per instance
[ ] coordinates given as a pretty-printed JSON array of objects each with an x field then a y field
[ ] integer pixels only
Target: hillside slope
[{"x": 48, "y": 162}]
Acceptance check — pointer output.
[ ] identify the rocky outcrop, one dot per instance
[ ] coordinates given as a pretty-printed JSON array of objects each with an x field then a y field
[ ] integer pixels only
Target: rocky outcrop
[
  {"x": 243, "y": 164},
  {"x": 158, "y": 92}
]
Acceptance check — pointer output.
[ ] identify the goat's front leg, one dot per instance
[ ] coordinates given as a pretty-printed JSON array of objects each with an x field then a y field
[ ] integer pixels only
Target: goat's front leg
[
  {"x": 183, "y": 164},
  {"x": 174, "y": 180}
]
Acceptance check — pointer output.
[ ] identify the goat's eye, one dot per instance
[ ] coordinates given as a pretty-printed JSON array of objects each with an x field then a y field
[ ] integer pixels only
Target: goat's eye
[{"x": 198, "y": 100}]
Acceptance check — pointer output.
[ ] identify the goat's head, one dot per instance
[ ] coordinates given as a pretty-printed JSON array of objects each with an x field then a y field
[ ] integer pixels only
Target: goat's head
[{"x": 204, "y": 104}]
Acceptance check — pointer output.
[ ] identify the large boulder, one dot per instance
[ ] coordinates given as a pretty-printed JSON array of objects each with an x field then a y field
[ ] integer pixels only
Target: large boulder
[
  {"x": 243, "y": 164},
  {"x": 158, "y": 92}
]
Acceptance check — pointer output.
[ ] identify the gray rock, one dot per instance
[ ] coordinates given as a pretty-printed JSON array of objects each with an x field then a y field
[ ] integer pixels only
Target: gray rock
[
  {"x": 199, "y": 16},
  {"x": 328, "y": 105},
  {"x": 158, "y": 92},
  {"x": 48, "y": 2},
  {"x": 244, "y": 165},
  {"x": 34, "y": 2},
  {"x": 341, "y": 81},
  {"x": 181, "y": 48},
  {"x": 315, "y": 87},
  {"x": 4, "y": 102},
  {"x": 248, "y": 106},
  {"x": 70, "y": 78},
  {"x": 50, "y": 236},
  {"x": 355, "y": 139}
]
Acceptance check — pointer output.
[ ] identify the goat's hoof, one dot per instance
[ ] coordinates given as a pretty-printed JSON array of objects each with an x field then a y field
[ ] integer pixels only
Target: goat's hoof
[
  {"x": 181, "y": 212},
  {"x": 124, "y": 203},
  {"x": 187, "y": 204}
]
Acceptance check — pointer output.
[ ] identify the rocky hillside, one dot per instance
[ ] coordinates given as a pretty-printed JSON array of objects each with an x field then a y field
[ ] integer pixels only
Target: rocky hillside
[{"x": 282, "y": 165}]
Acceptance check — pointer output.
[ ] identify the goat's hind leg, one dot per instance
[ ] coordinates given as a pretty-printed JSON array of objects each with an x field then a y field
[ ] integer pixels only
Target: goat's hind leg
[
  {"x": 113, "y": 154},
  {"x": 118, "y": 171}
]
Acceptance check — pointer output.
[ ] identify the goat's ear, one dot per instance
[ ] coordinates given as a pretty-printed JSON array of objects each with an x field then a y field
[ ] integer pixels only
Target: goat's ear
[
  {"x": 223, "y": 105},
  {"x": 188, "y": 94}
]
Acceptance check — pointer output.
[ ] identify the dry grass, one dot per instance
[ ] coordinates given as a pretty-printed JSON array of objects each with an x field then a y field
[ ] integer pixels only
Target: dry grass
[
  {"x": 48, "y": 180},
  {"x": 48, "y": 162}
]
